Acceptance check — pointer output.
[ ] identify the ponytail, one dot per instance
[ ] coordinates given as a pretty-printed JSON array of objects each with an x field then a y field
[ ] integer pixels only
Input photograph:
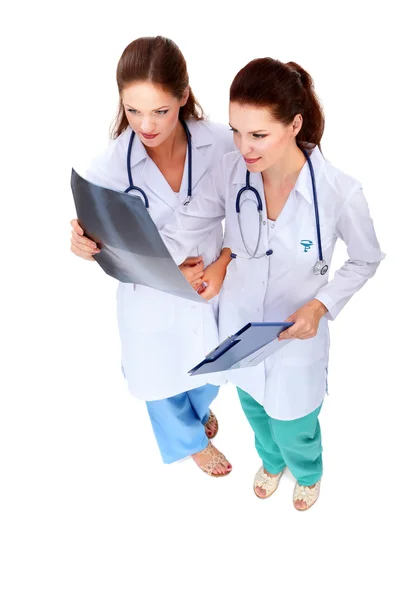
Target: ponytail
[{"x": 286, "y": 90}]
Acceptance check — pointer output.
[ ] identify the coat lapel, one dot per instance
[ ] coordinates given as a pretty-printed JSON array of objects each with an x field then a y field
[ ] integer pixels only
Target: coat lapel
[
  {"x": 153, "y": 180},
  {"x": 202, "y": 141},
  {"x": 157, "y": 185}
]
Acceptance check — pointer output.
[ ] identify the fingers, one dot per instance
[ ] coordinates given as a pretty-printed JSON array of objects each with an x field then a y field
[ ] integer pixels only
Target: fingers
[
  {"x": 81, "y": 245},
  {"x": 196, "y": 284},
  {"x": 192, "y": 274},
  {"x": 301, "y": 330},
  {"x": 82, "y": 253},
  {"x": 207, "y": 293},
  {"x": 304, "y": 329},
  {"x": 82, "y": 241},
  {"x": 212, "y": 284},
  {"x": 306, "y": 322},
  {"x": 79, "y": 237},
  {"x": 198, "y": 268},
  {"x": 196, "y": 277},
  {"x": 82, "y": 249},
  {"x": 195, "y": 270},
  {"x": 76, "y": 227},
  {"x": 192, "y": 261},
  {"x": 208, "y": 290},
  {"x": 286, "y": 335},
  {"x": 291, "y": 332}
]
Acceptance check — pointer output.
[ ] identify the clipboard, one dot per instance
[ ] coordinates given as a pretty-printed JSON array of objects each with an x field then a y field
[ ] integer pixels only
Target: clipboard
[
  {"x": 246, "y": 348},
  {"x": 132, "y": 249}
]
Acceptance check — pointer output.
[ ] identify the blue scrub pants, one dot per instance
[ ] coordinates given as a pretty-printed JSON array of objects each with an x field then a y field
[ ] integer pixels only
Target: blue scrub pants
[{"x": 178, "y": 422}]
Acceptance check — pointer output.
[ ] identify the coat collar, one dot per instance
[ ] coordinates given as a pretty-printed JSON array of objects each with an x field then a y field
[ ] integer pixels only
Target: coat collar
[
  {"x": 202, "y": 141},
  {"x": 201, "y": 136},
  {"x": 303, "y": 184}
]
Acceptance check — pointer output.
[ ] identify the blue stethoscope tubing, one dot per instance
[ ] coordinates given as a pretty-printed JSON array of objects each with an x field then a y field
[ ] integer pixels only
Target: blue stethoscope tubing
[
  {"x": 320, "y": 266},
  {"x": 135, "y": 188}
]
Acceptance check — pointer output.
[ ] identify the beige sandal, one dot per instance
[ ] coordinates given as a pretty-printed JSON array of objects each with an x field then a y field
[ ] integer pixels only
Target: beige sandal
[
  {"x": 307, "y": 494},
  {"x": 266, "y": 482},
  {"x": 212, "y": 420},
  {"x": 215, "y": 460}
]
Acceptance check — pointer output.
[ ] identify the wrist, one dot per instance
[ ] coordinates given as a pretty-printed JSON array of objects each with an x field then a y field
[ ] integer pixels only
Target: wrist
[
  {"x": 225, "y": 256},
  {"x": 319, "y": 308}
]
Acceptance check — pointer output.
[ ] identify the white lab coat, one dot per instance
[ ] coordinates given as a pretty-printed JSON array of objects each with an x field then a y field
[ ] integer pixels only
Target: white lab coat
[
  {"x": 163, "y": 336},
  {"x": 292, "y": 382}
]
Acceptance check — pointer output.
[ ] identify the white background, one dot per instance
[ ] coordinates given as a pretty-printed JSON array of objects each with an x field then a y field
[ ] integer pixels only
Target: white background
[{"x": 87, "y": 510}]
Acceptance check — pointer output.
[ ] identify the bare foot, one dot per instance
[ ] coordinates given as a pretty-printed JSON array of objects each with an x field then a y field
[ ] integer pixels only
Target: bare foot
[
  {"x": 211, "y": 427},
  {"x": 202, "y": 458}
]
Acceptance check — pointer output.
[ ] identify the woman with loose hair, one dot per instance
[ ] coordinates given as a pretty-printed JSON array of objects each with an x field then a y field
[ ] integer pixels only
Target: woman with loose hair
[{"x": 163, "y": 149}]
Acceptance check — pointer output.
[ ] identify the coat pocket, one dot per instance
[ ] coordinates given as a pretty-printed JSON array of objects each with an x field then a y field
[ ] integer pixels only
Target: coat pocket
[{"x": 306, "y": 352}]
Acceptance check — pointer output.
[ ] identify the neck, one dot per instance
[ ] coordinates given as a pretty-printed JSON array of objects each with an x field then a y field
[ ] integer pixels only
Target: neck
[
  {"x": 286, "y": 170},
  {"x": 171, "y": 146}
]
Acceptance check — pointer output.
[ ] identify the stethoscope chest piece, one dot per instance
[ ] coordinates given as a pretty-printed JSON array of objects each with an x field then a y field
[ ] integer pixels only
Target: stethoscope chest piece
[{"x": 320, "y": 267}]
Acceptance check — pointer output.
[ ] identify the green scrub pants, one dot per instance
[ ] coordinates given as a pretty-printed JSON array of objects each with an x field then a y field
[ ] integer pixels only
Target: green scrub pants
[{"x": 295, "y": 444}]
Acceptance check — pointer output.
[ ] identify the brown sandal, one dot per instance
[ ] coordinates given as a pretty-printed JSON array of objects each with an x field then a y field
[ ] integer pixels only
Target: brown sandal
[
  {"x": 212, "y": 420},
  {"x": 215, "y": 460}
]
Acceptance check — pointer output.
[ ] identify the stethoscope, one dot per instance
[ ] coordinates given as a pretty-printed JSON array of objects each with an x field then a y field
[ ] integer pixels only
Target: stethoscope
[
  {"x": 142, "y": 192},
  {"x": 321, "y": 266}
]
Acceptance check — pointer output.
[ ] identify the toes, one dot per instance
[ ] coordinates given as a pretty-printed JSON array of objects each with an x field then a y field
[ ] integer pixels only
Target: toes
[
  {"x": 300, "y": 504},
  {"x": 260, "y": 492},
  {"x": 218, "y": 470},
  {"x": 222, "y": 469},
  {"x": 227, "y": 467},
  {"x": 209, "y": 431}
]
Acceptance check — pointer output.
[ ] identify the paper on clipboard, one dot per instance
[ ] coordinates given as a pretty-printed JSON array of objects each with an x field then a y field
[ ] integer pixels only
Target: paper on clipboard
[{"x": 249, "y": 346}]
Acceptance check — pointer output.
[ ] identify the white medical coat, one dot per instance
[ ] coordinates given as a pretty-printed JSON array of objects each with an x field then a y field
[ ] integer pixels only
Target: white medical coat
[
  {"x": 163, "y": 336},
  {"x": 292, "y": 382}
]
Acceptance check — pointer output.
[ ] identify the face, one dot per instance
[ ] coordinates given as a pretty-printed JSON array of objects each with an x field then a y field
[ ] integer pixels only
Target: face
[
  {"x": 151, "y": 112},
  {"x": 261, "y": 139}
]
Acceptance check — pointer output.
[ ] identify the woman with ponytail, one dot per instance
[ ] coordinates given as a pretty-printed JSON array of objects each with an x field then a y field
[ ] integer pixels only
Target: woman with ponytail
[
  {"x": 163, "y": 336},
  {"x": 272, "y": 276}
]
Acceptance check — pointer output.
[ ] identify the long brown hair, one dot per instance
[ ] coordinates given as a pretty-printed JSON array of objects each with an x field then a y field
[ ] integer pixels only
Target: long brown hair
[
  {"x": 158, "y": 60},
  {"x": 286, "y": 90}
]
